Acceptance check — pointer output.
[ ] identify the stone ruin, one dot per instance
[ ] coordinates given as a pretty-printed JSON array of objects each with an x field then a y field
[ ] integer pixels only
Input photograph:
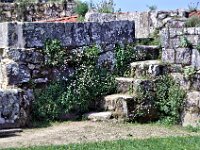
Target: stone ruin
[
  {"x": 35, "y": 11},
  {"x": 22, "y": 62}
]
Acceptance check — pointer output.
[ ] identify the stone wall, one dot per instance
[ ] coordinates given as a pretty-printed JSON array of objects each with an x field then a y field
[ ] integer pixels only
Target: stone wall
[
  {"x": 22, "y": 63},
  {"x": 172, "y": 40},
  {"x": 34, "y": 11},
  {"x": 145, "y": 22},
  {"x": 33, "y": 35},
  {"x": 186, "y": 63}
]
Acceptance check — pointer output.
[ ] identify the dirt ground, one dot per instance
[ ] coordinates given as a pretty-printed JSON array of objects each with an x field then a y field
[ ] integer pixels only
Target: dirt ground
[{"x": 86, "y": 131}]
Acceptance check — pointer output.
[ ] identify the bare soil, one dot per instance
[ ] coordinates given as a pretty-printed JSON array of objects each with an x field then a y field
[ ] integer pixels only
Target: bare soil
[{"x": 86, "y": 131}]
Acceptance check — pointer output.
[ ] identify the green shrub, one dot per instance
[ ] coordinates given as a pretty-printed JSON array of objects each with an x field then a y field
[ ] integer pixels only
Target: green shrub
[
  {"x": 106, "y": 6},
  {"x": 54, "y": 52},
  {"x": 189, "y": 71},
  {"x": 124, "y": 56},
  {"x": 193, "y": 21},
  {"x": 152, "y": 7},
  {"x": 81, "y": 8},
  {"x": 169, "y": 99},
  {"x": 185, "y": 43},
  {"x": 89, "y": 83},
  {"x": 48, "y": 104}
]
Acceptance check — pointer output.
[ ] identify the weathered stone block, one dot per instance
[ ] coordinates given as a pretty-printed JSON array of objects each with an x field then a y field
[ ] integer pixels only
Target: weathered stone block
[
  {"x": 174, "y": 68},
  {"x": 196, "y": 59},
  {"x": 191, "y": 115},
  {"x": 140, "y": 18},
  {"x": 150, "y": 68},
  {"x": 181, "y": 80},
  {"x": 162, "y": 15},
  {"x": 99, "y": 116},
  {"x": 119, "y": 104},
  {"x": 3, "y": 34},
  {"x": 24, "y": 55},
  {"x": 9, "y": 106},
  {"x": 168, "y": 55},
  {"x": 145, "y": 52},
  {"x": 183, "y": 56},
  {"x": 165, "y": 39},
  {"x": 195, "y": 79},
  {"x": 99, "y": 17},
  {"x": 171, "y": 37},
  {"x": 125, "y": 85},
  {"x": 95, "y": 31},
  {"x": 17, "y": 74},
  {"x": 15, "y": 107},
  {"x": 34, "y": 35}
]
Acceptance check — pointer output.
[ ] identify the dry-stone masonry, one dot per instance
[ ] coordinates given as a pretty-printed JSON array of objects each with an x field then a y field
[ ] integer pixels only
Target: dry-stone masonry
[
  {"x": 35, "y": 11},
  {"x": 33, "y": 35},
  {"x": 145, "y": 22},
  {"x": 173, "y": 52},
  {"x": 22, "y": 63},
  {"x": 186, "y": 65}
]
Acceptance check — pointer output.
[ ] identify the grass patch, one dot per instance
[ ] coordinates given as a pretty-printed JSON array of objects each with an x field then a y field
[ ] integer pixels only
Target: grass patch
[
  {"x": 192, "y": 129},
  {"x": 171, "y": 143}
]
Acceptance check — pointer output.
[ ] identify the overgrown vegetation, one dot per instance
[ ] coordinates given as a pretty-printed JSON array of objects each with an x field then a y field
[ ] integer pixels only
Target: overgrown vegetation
[
  {"x": 193, "y": 21},
  {"x": 189, "y": 71},
  {"x": 169, "y": 100},
  {"x": 88, "y": 83},
  {"x": 104, "y": 6},
  {"x": 124, "y": 55},
  {"x": 152, "y": 7},
  {"x": 81, "y": 8},
  {"x": 185, "y": 43},
  {"x": 54, "y": 52}
]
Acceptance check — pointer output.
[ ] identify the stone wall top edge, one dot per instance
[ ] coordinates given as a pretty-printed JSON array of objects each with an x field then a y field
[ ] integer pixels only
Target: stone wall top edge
[
  {"x": 3, "y": 3},
  {"x": 65, "y": 22}
]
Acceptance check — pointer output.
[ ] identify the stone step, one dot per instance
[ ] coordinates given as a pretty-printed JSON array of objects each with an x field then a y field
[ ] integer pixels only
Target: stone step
[
  {"x": 131, "y": 85},
  {"x": 147, "y": 52},
  {"x": 4, "y": 132},
  {"x": 125, "y": 85},
  {"x": 119, "y": 104},
  {"x": 147, "y": 69},
  {"x": 99, "y": 116}
]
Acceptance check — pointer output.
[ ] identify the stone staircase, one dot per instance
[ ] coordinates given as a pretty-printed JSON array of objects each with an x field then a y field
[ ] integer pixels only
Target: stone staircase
[{"x": 124, "y": 104}]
